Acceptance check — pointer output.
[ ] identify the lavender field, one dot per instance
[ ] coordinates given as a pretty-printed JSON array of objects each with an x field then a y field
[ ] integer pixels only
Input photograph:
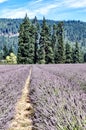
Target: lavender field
[
  {"x": 12, "y": 80},
  {"x": 57, "y": 94}
]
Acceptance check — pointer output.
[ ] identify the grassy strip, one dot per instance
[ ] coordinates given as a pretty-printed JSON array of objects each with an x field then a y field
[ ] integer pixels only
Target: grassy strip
[{"x": 24, "y": 110}]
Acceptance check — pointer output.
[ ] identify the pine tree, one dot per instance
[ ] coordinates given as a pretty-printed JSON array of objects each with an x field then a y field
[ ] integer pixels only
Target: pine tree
[
  {"x": 35, "y": 21},
  {"x": 84, "y": 57},
  {"x": 45, "y": 47},
  {"x": 54, "y": 37},
  {"x": 20, "y": 55},
  {"x": 76, "y": 53},
  {"x": 1, "y": 54},
  {"x": 36, "y": 28},
  {"x": 5, "y": 51},
  {"x": 68, "y": 53},
  {"x": 26, "y": 42},
  {"x": 81, "y": 55},
  {"x": 49, "y": 56},
  {"x": 56, "y": 53},
  {"x": 60, "y": 44},
  {"x": 32, "y": 44},
  {"x": 11, "y": 49}
]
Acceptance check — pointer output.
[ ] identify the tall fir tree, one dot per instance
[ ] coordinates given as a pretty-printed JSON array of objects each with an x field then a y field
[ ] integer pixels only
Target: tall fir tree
[
  {"x": 26, "y": 43},
  {"x": 49, "y": 54},
  {"x": 76, "y": 53},
  {"x": 41, "y": 48},
  {"x": 84, "y": 57},
  {"x": 37, "y": 31},
  {"x": 5, "y": 51},
  {"x": 59, "y": 50},
  {"x": 45, "y": 46},
  {"x": 54, "y": 37},
  {"x": 68, "y": 57},
  {"x": 11, "y": 49},
  {"x": 56, "y": 53},
  {"x": 81, "y": 55}
]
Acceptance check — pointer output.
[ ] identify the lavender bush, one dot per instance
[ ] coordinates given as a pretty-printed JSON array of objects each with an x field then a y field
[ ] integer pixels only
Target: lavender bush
[
  {"x": 58, "y": 98},
  {"x": 12, "y": 80}
]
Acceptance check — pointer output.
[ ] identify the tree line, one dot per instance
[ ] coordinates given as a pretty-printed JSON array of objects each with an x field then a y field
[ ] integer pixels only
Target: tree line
[{"x": 44, "y": 44}]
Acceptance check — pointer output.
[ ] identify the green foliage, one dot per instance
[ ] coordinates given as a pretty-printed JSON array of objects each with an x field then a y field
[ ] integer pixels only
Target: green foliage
[
  {"x": 68, "y": 53},
  {"x": 45, "y": 47},
  {"x": 11, "y": 59},
  {"x": 42, "y": 41},
  {"x": 5, "y": 51},
  {"x": 75, "y": 31},
  {"x": 76, "y": 54},
  {"x": 54, "y": 37},
  {"x": 59, "y": 49},
  {"x": 41, "y": 53},
  {"x": 1, "y": 55},
  {"x": 26, "y": 42},
  {"x": 85, "y": 57}
]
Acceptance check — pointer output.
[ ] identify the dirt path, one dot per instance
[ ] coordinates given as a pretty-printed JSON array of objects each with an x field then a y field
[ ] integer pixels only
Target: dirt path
[{"x": 24, "y": 110}]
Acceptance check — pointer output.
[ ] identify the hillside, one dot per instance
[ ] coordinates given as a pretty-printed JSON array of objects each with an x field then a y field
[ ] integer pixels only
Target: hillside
[{"x": 73, "y": 31}]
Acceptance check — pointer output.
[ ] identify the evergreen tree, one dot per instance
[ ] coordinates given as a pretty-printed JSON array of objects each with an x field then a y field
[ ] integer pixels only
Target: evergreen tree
[
  {"x": 81, "y": 56},
  {"x": 45, "y": 47},
  {"x": 32, "y": 44},
  {"x": 35, "y": 21},
  {"x": 11, "y": 49},
  {"x": 1, "y": 54},
  {"x": 59, "y": 57},
  {"x": 54, "y": 37},
  {"x": 49, "y": 54},
  {"x": 20, "y": 55},
  {"x": 26, "y": 42},
  {"x": 5, "y": 51},
  {"x": 36, "y": 28},
  {"x": 85, "y": 57},
  {"x": 68, "y": 53},
  {"x": 76, "y": 53},
  {"x": 56, "y": 53},
  {"x": 41, "y": 54}
]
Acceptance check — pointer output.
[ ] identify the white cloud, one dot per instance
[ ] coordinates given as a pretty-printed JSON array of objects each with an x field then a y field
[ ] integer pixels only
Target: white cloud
[
  {"x": 17, "y": 13},
  {"x": 20, "y": 12},
  {"x": 37, "y": 1},
  {"x": 47, "y": 8},
  {"x": 41, "y": 9},
  {"x": 2, "y": 1},
  {"x": 76, "y": 3}
]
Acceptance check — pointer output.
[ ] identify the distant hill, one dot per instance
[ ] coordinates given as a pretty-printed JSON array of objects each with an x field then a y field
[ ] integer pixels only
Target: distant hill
[{"x": 73, "y": 31}]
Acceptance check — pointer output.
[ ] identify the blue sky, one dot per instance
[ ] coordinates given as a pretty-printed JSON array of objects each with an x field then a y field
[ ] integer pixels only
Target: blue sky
[{"x": 51, "y": 9}]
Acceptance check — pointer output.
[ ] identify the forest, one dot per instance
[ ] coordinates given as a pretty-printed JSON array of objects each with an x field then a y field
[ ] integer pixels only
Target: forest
[{"x": 73, "y": 36}]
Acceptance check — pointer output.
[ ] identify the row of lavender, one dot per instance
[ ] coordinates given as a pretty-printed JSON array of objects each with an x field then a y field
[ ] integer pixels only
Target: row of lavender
[
  {"x": 58, "y": 97},
  {"x": 12, "y": 80}
]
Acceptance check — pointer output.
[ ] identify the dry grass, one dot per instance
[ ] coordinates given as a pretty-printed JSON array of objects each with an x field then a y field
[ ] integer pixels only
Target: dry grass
[{"x": 24, "y": 110}]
